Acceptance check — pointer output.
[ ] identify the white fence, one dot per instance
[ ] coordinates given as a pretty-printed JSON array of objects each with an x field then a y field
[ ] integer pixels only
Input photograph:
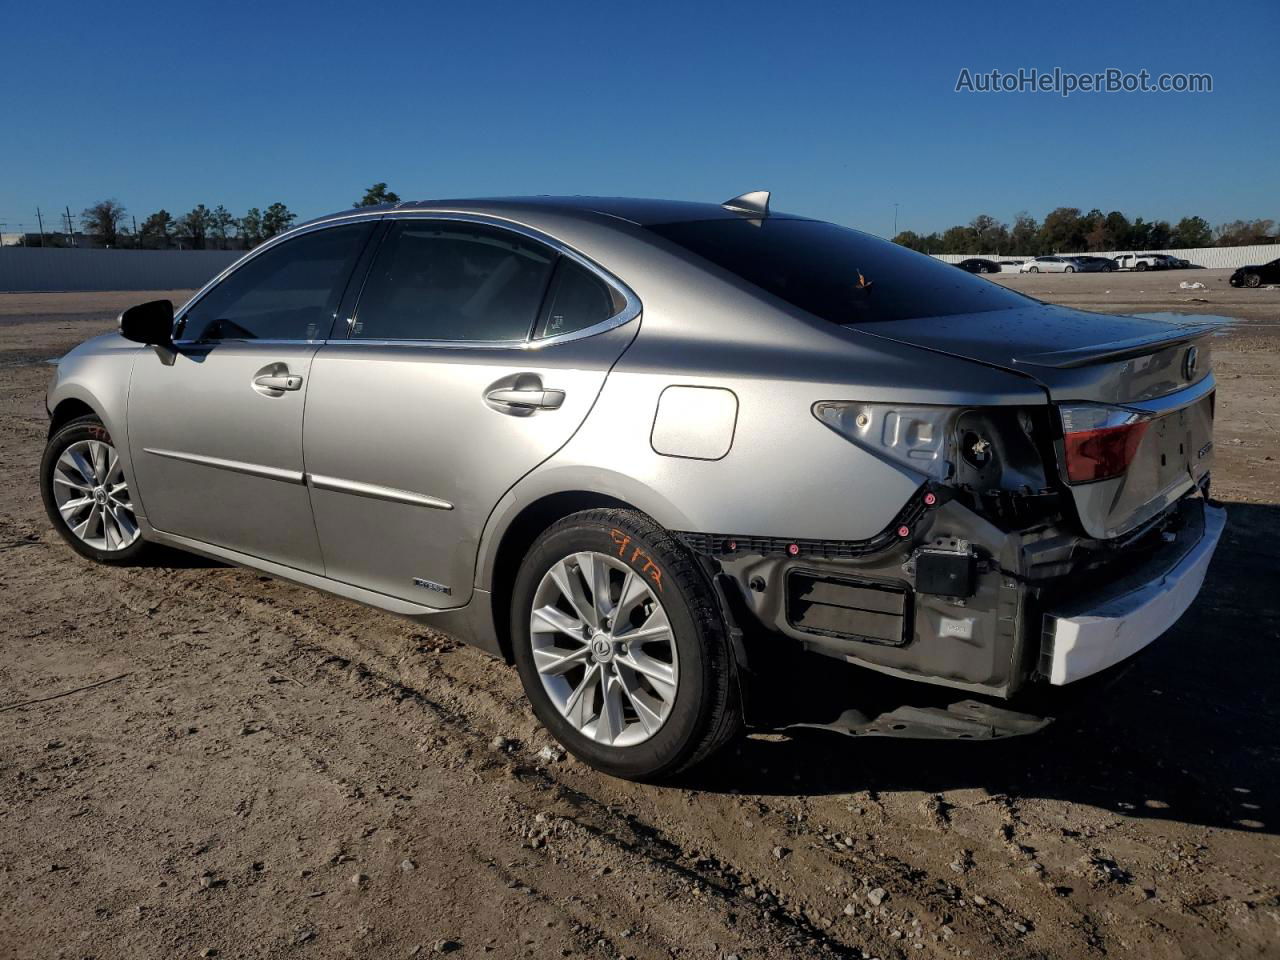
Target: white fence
[
  {"x": 1210, "y": 257},
  {"x": 24, "y": 269}
]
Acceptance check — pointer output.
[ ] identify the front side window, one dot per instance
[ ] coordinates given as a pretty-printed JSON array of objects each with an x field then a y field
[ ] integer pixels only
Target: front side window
[
  {"x": 836, "y": 273},
  {"x": 288, "y": 292},
  {"x": 441, "y": 280}
]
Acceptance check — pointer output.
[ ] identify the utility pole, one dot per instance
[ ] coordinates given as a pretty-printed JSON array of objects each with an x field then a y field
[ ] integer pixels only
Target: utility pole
[
  {"x": 40, "y": 221},
  {"x": 895, "y": 219},
  {"x": 71, "y": 231},
  {"x": 2, "y": 226}
]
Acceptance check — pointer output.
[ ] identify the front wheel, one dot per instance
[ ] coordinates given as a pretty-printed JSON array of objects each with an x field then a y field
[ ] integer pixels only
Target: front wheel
[
  {"x": 1033, "y": 270},
  {"x": 86, "y": 494},
  {"x": 1141, "y": 267},
  {"x": 621, "y": 647},
  {"x": 1069, "y": 270},
  {"x": 1252, "y": 280}
]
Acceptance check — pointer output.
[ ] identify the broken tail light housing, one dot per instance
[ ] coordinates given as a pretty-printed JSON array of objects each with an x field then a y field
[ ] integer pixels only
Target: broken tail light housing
[{"x": 1099, "y": 441}]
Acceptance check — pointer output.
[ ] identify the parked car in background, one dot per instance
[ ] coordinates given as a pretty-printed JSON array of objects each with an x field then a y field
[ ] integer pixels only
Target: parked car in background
[
  {"x": 632, "y": 446},
  {"x": 1173, "y": 263},
  {"x": 1256, "y": 276},
  {"x": 979, "y": 265},
  {"x": 1141, "y": 261},
  {"x": 1009, "y": 266},
  {"x": 1049, "y": 265},
  {"x": 1087, "y": 264}
]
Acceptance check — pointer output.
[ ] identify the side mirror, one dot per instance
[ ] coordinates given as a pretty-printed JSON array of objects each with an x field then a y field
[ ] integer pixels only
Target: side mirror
[{"x": 150, "y": 322}]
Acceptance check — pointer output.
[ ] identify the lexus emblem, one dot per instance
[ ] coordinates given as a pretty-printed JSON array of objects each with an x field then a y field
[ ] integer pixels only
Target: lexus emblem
[{"x": 1189, "y": 362}]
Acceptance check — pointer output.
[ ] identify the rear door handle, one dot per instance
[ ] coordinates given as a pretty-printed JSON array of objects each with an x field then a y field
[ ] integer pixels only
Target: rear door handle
[
  {"x": 535, "y": 398},
  {"x": 289, "y": 381}
]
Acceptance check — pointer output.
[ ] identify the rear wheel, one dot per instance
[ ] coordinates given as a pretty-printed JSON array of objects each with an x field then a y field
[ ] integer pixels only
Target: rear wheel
[
  {"x": 621, "y": 647},
  {"x": 1069, "y": 270},
  {"x": 1141, "y": 267},
  {"x": 1033, "y": 270},
  {"x": 86, "y": 495}
]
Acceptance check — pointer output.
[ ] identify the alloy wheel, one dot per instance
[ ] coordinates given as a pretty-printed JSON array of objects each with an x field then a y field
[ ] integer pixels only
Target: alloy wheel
[
  {"x": 604, "y": 649},
  {"x": 92, "y": 496}
]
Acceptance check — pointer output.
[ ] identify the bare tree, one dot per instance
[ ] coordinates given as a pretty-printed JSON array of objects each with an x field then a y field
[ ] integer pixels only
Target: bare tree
[{"x": 102, "y": 220}]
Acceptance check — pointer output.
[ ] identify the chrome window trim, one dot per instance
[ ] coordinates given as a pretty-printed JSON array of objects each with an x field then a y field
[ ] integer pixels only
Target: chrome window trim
[
  {"x": 631, "y": 309},
  {"x": 341, "y": 220},
  {"x": 631, "y": 303}
]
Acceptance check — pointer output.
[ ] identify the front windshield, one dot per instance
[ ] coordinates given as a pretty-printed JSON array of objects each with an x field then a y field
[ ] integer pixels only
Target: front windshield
[{"x": 839, "y": 274}]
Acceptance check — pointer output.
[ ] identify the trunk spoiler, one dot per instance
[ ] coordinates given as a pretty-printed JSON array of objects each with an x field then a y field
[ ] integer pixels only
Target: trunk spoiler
[{"x": 1115, "y": 350}]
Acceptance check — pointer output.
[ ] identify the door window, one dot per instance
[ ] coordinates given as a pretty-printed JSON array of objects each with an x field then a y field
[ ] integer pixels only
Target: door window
[
  {"x": 442, "y": 280},
  {"x": 578, "y": 299},
  {"x": 289, "y": 292}
]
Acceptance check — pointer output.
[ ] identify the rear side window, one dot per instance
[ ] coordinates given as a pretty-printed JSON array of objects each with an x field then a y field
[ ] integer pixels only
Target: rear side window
[
  {"x": 439, "y": 280},
  {"x": 288, "y": 292},
  {"x": 836, "y": 273},
  {"x": 577, "y": 299}
]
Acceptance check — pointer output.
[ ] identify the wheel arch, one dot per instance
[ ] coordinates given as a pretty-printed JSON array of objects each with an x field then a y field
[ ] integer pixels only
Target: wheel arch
[
  {"x": 67, "y": 410},
  {"x": 518, "y": 536}
]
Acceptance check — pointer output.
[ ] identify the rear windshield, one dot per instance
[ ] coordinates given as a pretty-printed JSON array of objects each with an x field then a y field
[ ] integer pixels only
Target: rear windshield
[{"x": 836, "y": 273}]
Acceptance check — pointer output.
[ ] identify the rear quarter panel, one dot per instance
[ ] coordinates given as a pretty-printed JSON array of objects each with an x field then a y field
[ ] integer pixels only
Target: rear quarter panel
[{"x": 785, "y": 474}]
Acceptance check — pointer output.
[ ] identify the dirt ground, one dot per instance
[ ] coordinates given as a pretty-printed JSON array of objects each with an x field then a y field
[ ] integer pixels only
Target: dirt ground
[{"x": 267, "y": 771}]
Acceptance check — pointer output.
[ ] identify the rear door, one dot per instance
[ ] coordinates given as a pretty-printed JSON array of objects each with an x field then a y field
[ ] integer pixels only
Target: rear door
[
  {"x": 473, "y": 354},
  {"x": 215, "y": 425}
]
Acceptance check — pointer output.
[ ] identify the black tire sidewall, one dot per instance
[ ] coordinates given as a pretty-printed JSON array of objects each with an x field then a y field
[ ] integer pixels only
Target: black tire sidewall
[
  {"x": 686, "y": 724},
  {"x": 82, "y": 428}
]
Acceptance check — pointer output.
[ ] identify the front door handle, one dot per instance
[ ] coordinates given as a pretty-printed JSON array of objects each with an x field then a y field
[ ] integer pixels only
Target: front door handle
[
  {"x": 534, "y": 398},
  {"x": 290, "y": 381}
]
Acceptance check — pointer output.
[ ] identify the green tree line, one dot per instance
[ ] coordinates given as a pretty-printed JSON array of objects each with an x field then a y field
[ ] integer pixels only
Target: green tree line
[
  {"x": 1068, "y": 230},
  {"x": 200, "y": 228}
]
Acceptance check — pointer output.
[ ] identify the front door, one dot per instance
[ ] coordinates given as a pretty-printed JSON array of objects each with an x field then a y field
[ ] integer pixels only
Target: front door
[
  {"x": 474, "y": 354},
  {"x": 215, "y": 425}
]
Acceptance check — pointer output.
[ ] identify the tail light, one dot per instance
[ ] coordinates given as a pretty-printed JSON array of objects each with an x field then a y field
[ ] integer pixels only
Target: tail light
[{"x": 1100, "y": 441}]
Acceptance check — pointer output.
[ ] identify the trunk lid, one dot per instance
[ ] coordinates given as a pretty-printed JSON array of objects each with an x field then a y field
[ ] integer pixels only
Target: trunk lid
[{"x": 1158, "y": 364}]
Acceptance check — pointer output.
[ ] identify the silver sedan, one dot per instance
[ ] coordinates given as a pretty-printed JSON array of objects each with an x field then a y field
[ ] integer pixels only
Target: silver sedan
[{"x": 643, "y": 448}]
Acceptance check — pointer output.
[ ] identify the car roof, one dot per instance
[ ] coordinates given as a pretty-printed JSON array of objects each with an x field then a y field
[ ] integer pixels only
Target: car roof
[{"x": 642, "y": 212}]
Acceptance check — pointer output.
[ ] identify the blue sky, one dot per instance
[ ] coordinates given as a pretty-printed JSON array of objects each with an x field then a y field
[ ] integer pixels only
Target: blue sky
[{"x": 840, "y": 109}]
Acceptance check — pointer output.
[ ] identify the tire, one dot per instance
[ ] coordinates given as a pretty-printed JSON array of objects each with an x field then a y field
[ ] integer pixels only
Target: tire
[
  {"x": 702, "y": 705},
  {"x": 1140, "y": 267},
  {"x": 1069, "y": 270},
  {"x": 80, "y": 464},
  {"x": 1252, "y": 280},
  {"x": 1033, "y": 270}
]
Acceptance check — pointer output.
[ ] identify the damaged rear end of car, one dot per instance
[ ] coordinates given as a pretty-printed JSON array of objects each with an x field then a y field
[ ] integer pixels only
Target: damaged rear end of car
[{"x": 1046, "y": 542}]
